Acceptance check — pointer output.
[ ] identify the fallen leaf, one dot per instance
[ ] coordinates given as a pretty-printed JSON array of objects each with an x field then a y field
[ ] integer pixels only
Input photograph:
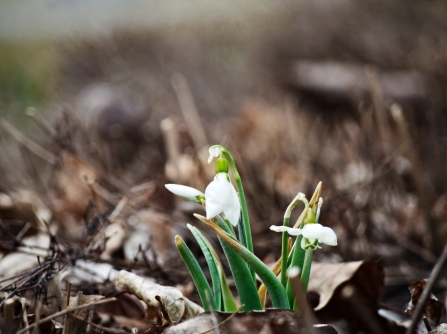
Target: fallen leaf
[
  {"x": 434, "y": 307},
  {"x": 350, "y": 291},
  {"x": 169, "y": 302},
  {"x": 327, "y": 277}
]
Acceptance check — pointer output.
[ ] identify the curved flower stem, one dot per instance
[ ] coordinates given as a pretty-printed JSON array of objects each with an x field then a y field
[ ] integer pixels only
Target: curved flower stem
[
  {"x": 284, "y": 254},
  {"x": 285, "y": 236},
  {"x": 246, "y": 233},
  {"x": 237, "y": 179}
]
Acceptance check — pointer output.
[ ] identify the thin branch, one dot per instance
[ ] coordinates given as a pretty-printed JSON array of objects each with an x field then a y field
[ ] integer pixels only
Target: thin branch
[
  {"x": 58, "y": 314},
  {"x": 105, "y": 329},
  {"x": 28, "y": 143},
  {"x": 432, "y": 280}
]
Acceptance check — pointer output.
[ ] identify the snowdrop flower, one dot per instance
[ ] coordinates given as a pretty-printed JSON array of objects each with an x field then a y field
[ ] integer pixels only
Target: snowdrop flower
[
  {"x": 312, "y": 234},
  {"x": 215, "y": 151},
  {"x": 222, "y": 197},
  {"x": 188, "y": 193}
]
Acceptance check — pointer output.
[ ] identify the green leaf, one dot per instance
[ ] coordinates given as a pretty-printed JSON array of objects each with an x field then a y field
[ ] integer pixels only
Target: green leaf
[
  {"x": 205, "y": 246},
  {"x": 274, "y": 286},
  {"x": 246, "y": 288},
  {"x": 297, "y": 261},
  {"x": 196, "y": 272}
]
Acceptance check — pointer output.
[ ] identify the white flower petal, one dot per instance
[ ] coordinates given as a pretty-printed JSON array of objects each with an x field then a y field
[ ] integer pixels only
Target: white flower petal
[
  {"x": 329, "y": 237},
  {"x": 214, "y": 152},
  {"x": 189, "y": 193},
  {"x": 313, "y": 231},
  {"x": 233, "y": 212},
  {"x": 324, "y": 234},
  {"x": 290, "y": 230},
  {"x": 218, "y": 196}
]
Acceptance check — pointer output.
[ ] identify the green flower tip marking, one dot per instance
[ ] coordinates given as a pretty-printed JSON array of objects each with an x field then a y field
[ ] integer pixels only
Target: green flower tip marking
[{"x": 186, "y": 192}]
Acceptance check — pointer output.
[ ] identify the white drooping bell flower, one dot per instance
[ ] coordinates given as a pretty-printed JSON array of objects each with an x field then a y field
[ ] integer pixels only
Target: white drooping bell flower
[
  {"x": 313, "y": 234},
  {"x": 222, "y": 197},
  {"x": 186, "y": 192},
  {"x": 214, "y": 151}
]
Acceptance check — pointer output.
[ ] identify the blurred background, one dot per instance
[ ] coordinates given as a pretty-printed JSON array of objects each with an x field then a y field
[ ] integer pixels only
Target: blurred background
[{"x": 110, "y": 98}]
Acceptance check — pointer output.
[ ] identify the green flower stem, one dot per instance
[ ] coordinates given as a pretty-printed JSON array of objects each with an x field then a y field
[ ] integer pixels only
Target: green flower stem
[
  {"x": 297, "y": 261},
  {"x": 306, "y": 269},
  {"x": 246, "y": 233},
  {"x": 285, "y": 236},
  {"x": 237, "y": 179},
  {"x": 274, "y": 286},
  {"x": 196, "y": 272}
]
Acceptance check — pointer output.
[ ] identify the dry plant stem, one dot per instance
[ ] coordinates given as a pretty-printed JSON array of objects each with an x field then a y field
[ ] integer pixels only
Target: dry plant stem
[
  {"x": 381, "y": 123},
  {"x": 64, "y": 312},
  {"x": 9, "y": 316},
  {"x": 417, "y": 172},
  {"x": 41, "y": 122},
  {"x": 12, "y": 294},
  {"x": 189, "y": 110},
  {"x": 300, "y": 297},
  {"x": 223, "y": 322},
  {"x": 426, "y": 323},
  {"x": 121, "y": 204},
  {"x": 171, "y": 138},
  {"x": 24, "y": 313},
  {"x": 37, "y": 318},
  {"x": 67, "y": 303},
  {"x": 29, "y": 144},
  {"x": 105, "y": 329},
  {"x": 432, "y": 280}
]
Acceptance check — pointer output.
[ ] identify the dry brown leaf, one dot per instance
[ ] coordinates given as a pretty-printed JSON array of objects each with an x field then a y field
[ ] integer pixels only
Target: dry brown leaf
[
  {"x": 115, "y": 233},
  {"x": 434, "y": 307},
  {"x": 327, "y": 277},
  {"x": 74, "y": 325},
  {"x": 350, "y": 291}
]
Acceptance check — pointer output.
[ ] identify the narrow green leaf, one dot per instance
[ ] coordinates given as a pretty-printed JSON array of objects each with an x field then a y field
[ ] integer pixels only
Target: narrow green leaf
[
  {"x": 274, "y": 286},
  {"x": 196, "y": 272},
  {"x": 297, "y": 261},
  {"x": 246, "y": 288},
  {"x": 227, "y": 296},
  {"x": 215, "y": 275}
]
